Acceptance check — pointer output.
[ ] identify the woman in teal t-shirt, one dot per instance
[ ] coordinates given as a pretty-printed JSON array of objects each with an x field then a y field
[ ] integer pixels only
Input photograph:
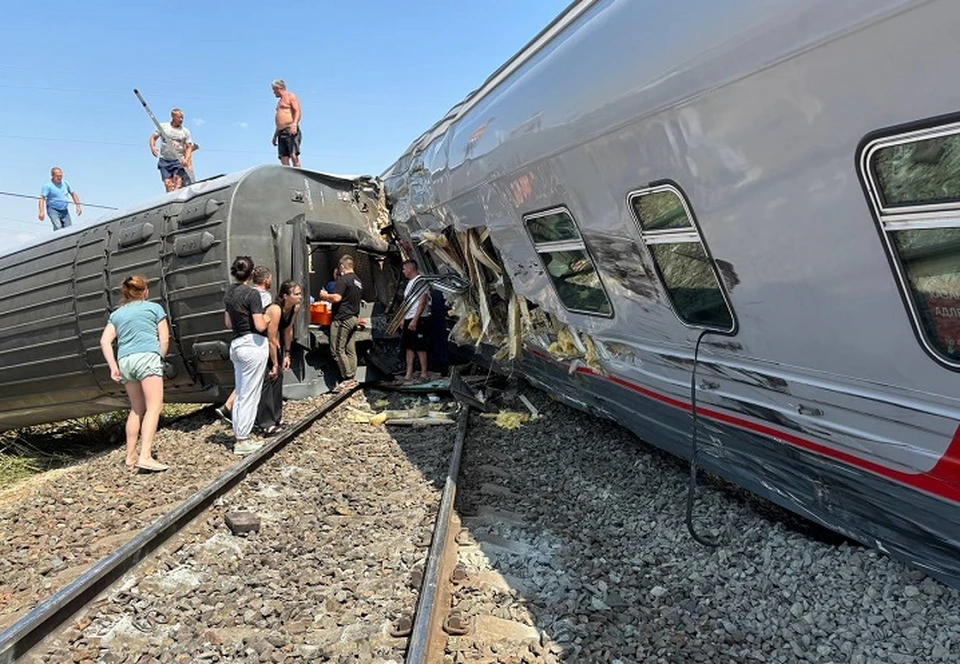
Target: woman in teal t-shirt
[{"x": 142, "y": 335}]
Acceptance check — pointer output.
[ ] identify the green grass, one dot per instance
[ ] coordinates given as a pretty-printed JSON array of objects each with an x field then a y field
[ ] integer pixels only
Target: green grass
[{"x": 32, "y": 450}]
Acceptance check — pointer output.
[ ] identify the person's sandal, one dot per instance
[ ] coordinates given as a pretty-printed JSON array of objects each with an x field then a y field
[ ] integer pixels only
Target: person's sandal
[{"x": 152, "y": 468}]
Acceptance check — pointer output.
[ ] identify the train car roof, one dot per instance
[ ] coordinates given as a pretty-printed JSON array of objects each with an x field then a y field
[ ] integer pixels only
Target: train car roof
[{"x": 181, "y": 195}]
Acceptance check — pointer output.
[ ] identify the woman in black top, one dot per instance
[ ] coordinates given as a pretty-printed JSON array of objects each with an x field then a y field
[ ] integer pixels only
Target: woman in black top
[
  {"x": 248, "y": 351},
  {"x": 281, "y": 315}
]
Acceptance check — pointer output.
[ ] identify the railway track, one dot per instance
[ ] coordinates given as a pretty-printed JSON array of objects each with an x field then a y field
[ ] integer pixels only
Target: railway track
[
  {"x": 564, "y": 542},
  {"x": 20, "y": 637},
  {"x": 419, "y": 632}
]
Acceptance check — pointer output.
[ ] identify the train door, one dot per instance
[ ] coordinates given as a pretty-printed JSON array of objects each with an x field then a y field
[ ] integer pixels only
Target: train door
[{"x": 299, "y": 271}]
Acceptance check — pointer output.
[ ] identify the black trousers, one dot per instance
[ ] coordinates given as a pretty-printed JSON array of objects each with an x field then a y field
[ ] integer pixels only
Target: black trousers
[{"x": 270, "y": 411}]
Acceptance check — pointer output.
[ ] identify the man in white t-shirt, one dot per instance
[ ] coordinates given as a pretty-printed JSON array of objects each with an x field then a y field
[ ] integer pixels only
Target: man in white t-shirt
[
  {"x": 416, "y": 325},
  {"x": 175, "y": 151}
]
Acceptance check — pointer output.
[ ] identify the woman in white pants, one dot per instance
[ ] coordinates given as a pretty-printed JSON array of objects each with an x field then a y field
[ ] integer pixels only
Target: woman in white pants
[{"x": 249, "y": 352}]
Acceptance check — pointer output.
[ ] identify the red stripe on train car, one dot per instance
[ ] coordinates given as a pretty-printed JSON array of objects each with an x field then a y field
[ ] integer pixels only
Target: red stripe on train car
[{"x": 942, "y": 480}]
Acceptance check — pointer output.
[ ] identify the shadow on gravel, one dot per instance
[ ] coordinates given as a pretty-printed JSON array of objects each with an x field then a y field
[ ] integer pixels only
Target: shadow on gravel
[{"x": 32, "y": 450}]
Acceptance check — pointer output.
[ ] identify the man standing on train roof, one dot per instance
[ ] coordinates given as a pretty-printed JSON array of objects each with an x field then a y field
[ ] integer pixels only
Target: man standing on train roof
[
  {"x": 187, "y": 177},
  {"x": 175, "y": 152},
  {"x": 287, "y": 135},
  {"x": 54, "y": 202}
]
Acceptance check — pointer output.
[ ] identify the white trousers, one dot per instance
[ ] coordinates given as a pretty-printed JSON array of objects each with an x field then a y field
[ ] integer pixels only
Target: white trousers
[{"x": 249, "y": 355}]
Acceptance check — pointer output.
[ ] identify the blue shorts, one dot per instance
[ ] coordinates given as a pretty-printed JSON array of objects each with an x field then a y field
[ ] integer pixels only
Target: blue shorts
[{"x": 170, "y": 168}]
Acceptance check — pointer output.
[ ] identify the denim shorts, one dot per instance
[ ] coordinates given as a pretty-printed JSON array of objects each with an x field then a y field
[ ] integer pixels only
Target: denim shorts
[
  {"x": 170, "y": 168},
  {"x": 138, "y": 366},
  {"x": 59, "y": 218}
]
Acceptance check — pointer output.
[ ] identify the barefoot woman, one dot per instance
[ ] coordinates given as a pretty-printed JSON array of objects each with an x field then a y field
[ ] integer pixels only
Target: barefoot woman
[{"x": 142, "y": 335}]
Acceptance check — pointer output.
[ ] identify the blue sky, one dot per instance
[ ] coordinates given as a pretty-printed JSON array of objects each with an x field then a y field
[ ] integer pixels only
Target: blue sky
[{"x": 371, "y": 77}]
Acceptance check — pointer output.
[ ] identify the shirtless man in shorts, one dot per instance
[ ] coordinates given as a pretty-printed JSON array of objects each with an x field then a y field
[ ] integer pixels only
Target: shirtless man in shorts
[{"x": 287, "y": 134}]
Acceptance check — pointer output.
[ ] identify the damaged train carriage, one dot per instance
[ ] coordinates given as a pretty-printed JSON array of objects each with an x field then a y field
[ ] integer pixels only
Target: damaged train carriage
[
  {"x": 785, "y": 234},
  {"x": 57, "y": 293}
]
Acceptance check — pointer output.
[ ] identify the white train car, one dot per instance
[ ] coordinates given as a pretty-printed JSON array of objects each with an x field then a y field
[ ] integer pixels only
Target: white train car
[{"x": 765, "y": 195}]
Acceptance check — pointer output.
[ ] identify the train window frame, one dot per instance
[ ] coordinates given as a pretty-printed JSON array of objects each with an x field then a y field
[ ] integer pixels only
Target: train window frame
[
  {"x": 689, "y": 234},
  {"x": 577, "y": 244},
  {"x": 893, "y": 219}
]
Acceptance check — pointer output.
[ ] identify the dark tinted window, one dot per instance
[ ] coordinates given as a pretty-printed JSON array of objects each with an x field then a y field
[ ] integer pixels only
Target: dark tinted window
[
  {"x": 683, "y": 263},
  {"x": 553, "y": 227},
  {"x": 931, "y": 260},
  {"x": 570, "y": 267},
  {"x": 661, "y": 211},
  {"x": 692, "y": 284},
  {"x": 919, "y": 172},
  {"x": 906, "y": 171}
]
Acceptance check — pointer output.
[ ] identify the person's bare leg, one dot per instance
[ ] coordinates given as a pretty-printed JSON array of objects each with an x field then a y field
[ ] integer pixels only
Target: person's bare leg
[
  {"x": 168, "y": 184},
  {"x": 137, "y": 408},
  {"x": 152, "y": 387},
  {"x": 177, "y": 182},
  {"x": 422, "y": 356},
  {"x": 410, "y": 355},
  {"x": 295, "y": 159},
  {"x": 285, "y": 161}
]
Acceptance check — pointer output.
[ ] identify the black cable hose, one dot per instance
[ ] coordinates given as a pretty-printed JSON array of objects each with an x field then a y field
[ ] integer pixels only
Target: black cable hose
[{"x": 692, "y": 483}]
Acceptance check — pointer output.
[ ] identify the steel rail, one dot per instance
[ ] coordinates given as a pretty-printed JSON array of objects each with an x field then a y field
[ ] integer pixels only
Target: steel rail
[
  {"x": 418, "y": 647},
  {"x": 20, "y": 637}
]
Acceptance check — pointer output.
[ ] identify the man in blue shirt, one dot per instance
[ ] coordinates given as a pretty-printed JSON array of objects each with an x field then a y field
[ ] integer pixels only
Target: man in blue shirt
[{"x": 54, "y": 201}]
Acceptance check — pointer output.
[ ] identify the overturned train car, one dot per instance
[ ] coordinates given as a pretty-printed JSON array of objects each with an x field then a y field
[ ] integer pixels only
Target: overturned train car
[
  {"x": 56, "y": 294},
  {"x": 764, "y": 197}
]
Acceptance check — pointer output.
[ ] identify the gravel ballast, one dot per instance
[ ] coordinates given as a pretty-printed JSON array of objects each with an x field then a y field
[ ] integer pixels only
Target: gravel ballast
[{"x": 572, "y": 528}]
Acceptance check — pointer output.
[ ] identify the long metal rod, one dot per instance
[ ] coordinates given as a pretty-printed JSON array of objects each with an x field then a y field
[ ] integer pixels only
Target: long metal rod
[
  {"x": 17, "y": 639},
  {"x": 426, "y": 606},
  {"x": 150, "y": 113}
]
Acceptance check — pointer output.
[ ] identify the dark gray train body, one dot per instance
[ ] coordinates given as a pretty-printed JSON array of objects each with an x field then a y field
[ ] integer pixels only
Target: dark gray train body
[
  {"x": 809, "y": 155},
  {"x": 56, "y": 294}
]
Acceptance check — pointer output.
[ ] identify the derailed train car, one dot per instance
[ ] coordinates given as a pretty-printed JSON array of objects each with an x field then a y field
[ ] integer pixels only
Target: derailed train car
[
  {"x": 57, "y": 293},
  {"x": 748, "y": 212}
]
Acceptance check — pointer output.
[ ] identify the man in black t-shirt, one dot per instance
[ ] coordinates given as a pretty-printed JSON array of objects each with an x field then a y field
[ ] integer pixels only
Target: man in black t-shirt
[{"x": 346, "y": 311}]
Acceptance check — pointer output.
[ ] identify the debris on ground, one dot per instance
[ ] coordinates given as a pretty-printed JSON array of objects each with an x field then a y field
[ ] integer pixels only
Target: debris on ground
[{"x": 508, "y": 419}]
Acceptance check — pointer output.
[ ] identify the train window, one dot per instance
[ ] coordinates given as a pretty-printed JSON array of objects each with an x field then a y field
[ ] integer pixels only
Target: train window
[
  {"x": 918, "y": 172},
  {"x": 552, "y": 227},
  {"x": 930, "y": 260},
  {"x": 685, "y": 267},
  {"x": 565, "y": 257},
  {"x": 913, "y": 182}
]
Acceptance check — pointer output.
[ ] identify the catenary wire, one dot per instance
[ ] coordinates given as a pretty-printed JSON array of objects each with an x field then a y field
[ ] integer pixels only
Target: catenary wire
[{"x": 92, "y": 205}]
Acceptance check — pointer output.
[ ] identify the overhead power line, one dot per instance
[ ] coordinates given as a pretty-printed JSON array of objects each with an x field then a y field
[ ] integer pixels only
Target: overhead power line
[
  {"x": 102, "y": 207},
  {"x": 126, "y": 145}
]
